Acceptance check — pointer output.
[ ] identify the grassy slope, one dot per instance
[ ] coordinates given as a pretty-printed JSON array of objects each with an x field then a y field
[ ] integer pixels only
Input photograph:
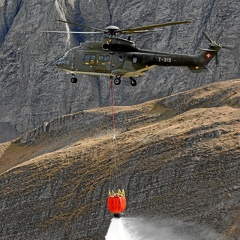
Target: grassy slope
[{"x": 13, "y": 153}]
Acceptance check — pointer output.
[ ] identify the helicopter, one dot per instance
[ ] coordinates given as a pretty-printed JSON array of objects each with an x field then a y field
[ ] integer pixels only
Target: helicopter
[{"x": 119, "y": 58}]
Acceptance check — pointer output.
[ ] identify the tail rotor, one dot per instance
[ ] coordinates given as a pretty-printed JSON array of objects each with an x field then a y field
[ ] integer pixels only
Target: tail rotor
[{"x": 216, "y": 47}]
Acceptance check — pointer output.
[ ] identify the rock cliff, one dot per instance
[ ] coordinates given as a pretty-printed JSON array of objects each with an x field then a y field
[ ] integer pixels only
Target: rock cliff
[
  {"x": 176, "y": 156},
  {"x": 31, "y": 91}
]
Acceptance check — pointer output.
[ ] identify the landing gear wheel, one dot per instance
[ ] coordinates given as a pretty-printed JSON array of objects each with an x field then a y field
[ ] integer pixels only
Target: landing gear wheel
[
  {"x": 133, "y": 82},
  {"x": 73, "y": 80},
  {"x": 117, "y": 81}
]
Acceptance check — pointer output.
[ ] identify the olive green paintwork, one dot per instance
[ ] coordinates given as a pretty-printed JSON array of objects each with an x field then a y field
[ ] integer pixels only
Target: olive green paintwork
[{"x": 121, "y": 58}]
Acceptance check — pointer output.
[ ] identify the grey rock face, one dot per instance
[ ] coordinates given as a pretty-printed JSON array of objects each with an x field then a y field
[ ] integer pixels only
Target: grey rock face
[{"x": 32, "y": 91}]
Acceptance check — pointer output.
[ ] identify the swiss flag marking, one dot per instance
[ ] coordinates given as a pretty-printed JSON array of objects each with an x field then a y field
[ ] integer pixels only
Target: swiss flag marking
[{"x": 208, "y": 55}]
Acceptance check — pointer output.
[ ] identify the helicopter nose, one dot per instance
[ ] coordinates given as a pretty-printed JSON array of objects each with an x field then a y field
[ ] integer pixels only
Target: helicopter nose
[
  {"x": 63, "y": 62},
  {"x": 60, "y": 63}
]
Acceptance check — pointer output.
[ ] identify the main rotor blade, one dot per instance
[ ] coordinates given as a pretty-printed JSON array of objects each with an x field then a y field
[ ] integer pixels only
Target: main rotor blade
[
  {"x": 145, "y": 28},
  {"x": 72, "y": 32},
  {"x": 80, "y": 25},
  {"x": 140, "y": 31}
]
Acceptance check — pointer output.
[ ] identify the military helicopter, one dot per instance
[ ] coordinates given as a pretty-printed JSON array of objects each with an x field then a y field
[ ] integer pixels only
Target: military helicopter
[{"x": 120, "y": 58}]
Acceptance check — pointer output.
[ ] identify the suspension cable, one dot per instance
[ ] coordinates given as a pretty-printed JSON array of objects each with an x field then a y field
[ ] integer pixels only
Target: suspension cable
[{"x": 112, "y": 102}]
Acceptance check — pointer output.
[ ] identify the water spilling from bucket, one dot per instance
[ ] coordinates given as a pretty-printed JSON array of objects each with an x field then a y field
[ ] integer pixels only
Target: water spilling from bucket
[
  {"x": 157, "y": 229},
  {"x": 117, "y": 231}
]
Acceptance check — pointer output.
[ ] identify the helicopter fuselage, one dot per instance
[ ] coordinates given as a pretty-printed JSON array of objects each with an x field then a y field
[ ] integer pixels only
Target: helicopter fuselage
[{"x": 121, "y": 58}]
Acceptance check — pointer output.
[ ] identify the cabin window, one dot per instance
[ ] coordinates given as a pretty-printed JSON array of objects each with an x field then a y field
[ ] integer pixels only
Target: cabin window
[
  {"x": 134, "y": 59},
  {"x": 120, "y": 59},
  {"x": 107, "y": 58},
  {"x": 93, "y": 57},
  {"x": 100, "y": 57},
  {"x": 86, "y": 57}
]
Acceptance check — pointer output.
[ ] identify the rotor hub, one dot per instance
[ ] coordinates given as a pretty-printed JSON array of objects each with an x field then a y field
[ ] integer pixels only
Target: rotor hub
[{"x": 112, "y": 30}]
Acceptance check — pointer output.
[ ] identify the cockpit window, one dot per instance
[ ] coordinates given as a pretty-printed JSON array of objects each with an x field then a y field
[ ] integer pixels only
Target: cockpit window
[
  {"x": 67, "y": 58},
  {"x": 93, "y": 57}
]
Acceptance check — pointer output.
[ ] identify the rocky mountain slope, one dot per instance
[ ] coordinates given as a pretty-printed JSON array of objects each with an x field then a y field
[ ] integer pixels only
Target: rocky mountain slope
[
  {"x": 31, "y": 91},
  {"x": 176, "y": 157}
]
